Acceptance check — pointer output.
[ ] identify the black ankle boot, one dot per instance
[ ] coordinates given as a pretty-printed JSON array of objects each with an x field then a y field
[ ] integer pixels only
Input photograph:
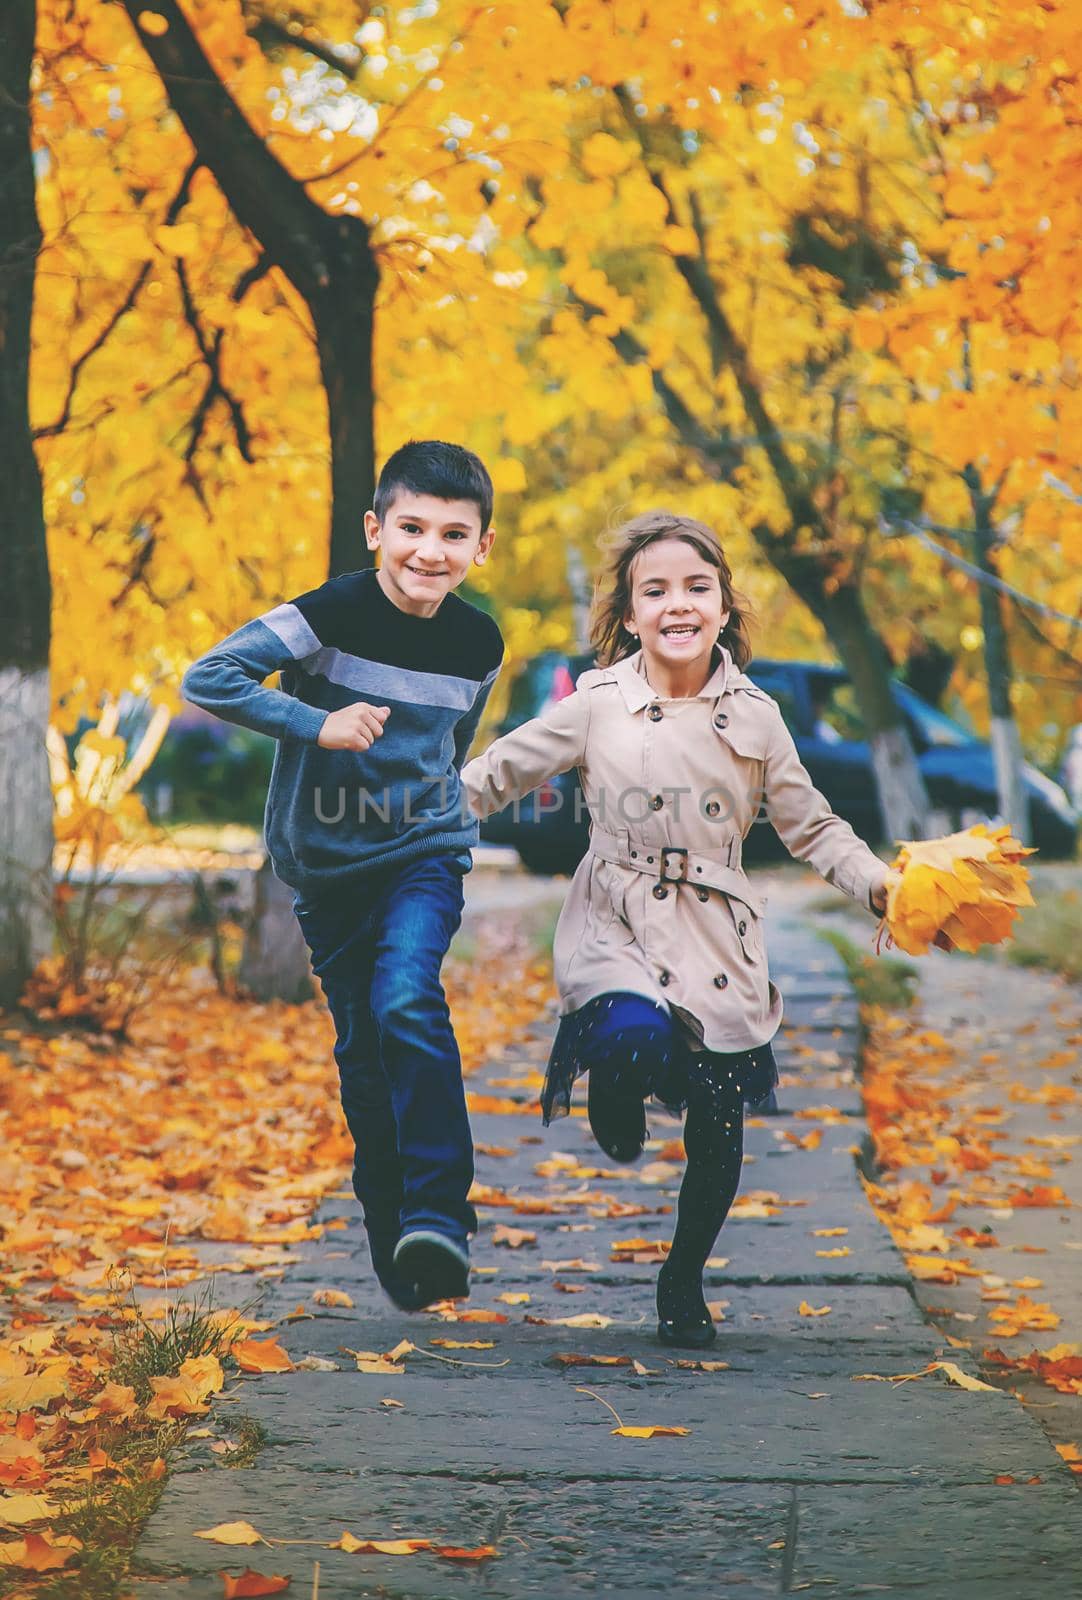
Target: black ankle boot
[
  {"x": 617, "y": 1119},
  {"x": 682, "y": 1315}
]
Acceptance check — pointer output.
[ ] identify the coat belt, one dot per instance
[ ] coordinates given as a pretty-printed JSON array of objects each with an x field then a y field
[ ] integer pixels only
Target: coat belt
[{"x": 672, "y": 863}]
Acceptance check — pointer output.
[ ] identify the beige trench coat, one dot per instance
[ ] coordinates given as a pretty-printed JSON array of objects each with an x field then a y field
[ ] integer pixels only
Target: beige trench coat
[{"x": 660, "y": 905}]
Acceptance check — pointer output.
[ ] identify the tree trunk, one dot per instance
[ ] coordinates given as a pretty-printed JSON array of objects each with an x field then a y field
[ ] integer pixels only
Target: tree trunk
[
  {"x": 330, "y": 262},
  {"x": 1006, "y": 743},
  {"x": 26, "y": 834},
  {"x": 275, "y": 963},
  {"x": 344, "y": 320},
  {"x": 903, "y": 799}
]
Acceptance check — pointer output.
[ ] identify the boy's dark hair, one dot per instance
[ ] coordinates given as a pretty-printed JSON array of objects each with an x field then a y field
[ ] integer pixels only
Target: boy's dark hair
[{"x": 429, "y": 466}]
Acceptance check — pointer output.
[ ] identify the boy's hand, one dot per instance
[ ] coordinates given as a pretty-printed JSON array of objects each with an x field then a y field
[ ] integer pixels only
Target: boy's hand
[{"x": 355, "y": 727}]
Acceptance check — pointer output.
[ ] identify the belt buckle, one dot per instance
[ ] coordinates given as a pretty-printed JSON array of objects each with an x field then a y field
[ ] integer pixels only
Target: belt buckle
[{"x": 663, "y": 874}]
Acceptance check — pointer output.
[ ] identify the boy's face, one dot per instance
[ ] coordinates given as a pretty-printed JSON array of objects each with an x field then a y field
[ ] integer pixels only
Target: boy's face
[{"x": 427, "y": 547}]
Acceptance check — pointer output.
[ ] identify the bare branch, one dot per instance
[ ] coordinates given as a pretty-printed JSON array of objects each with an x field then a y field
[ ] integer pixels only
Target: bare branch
[
  {"x": 269, "y": 29},
  {"x": 176, "y": 206},
  {"x": 210, "y": 350}
]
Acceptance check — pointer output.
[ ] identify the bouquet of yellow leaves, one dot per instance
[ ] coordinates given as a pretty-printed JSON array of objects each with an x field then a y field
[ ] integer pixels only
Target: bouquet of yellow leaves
[{"x": 958, "y": 892}]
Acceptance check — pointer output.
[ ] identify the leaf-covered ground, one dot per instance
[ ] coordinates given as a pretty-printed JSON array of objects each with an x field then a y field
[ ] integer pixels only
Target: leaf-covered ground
[{"x": 202, "y": 1143}]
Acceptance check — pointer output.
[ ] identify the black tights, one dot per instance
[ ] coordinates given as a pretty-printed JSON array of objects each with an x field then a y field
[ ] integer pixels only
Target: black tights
[
  {"x": 714, "y": 1141},
  {"x": 633, "y": 1043}
]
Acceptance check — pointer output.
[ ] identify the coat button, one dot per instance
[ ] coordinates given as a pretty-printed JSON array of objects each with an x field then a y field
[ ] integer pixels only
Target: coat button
[
  {"x": 655, "y": 713},
  {"x": 721, "y": 981},
  {"x": 656, "y": 802},
  {"x": 663, "y": 979},
  {"x": 741, "y": 928},
  {"x": 713, "y": 807},
  {"x": 702, "y": 894},
  {"x": 660, "y": 891},
  {"x": 721, "y": 720}
]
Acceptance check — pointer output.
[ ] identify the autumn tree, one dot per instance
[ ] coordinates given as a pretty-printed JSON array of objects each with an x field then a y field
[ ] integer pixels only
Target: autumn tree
[
  {"x": 25, "y": 808},
  {"x": 988, "y": 340}
]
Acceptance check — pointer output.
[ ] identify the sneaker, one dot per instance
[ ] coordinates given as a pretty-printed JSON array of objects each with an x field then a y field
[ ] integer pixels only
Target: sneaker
[
  {"x": 436, "y": 1267},
  {"x": 617, "y": 1121},
  {"x": 381, "y": 1248}
]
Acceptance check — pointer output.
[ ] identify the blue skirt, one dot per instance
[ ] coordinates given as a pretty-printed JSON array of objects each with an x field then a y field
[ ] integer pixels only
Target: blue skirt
[{"x": 642, "y": 1046}]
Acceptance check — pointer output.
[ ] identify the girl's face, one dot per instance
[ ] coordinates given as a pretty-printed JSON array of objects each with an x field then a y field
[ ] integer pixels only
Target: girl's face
[{"x": 676, "y": 606}]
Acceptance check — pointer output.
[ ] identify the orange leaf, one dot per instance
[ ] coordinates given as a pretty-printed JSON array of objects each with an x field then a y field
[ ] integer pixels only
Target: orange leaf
[
  {"x": 261, "y": 1355},
  {"x": 250, "y": 1583},
  {"x": 40, "y": 1552}
]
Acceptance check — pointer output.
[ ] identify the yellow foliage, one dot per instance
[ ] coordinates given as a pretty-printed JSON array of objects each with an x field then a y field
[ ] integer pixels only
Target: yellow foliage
[{"x": 960, "y": 892}]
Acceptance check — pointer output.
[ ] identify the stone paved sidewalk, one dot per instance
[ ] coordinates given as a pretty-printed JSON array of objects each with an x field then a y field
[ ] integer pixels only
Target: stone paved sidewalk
[{"x": 792, "y": 1476}]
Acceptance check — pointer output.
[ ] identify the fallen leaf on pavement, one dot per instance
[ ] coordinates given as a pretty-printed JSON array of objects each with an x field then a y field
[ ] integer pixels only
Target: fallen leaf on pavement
[
  {"x": 332, "y": 1297},
  {"x": 16, "y": 1509},
  {"x": 248, "y": 1584},
  {"x": 261, "y": 1355},
  {"x": 586, "y": 1319},
  {"x": 640, "y": 1250},
  {"x": 39, "y": 1552},
  {"x": 232, "y": 1533},
  {"x": 962, "y": 1379},
  {"x": 473, "y": 1316},
  {"x": 451, "y": 1552},
  {"x": 648, "y": 1433},
  {"x": 565, "y": 1359},
  {"x": 380, "y": 1547}
]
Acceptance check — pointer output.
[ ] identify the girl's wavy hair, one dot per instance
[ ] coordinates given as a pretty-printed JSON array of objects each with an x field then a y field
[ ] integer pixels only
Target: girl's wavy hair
[{"x": 612, "y": 594}]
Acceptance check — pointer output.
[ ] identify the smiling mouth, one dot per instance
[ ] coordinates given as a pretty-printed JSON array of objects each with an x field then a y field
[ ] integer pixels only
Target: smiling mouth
[
  {"x": 683, "y": 630},
  {"x": 417, "y": 573}
]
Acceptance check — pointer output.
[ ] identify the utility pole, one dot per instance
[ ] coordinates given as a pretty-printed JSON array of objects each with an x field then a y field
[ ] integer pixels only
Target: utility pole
[{"x": 578, "y": 581}]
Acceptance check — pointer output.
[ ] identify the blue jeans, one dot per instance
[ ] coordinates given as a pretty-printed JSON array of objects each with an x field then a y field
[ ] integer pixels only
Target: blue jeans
[{"x": 377, "y": 955}]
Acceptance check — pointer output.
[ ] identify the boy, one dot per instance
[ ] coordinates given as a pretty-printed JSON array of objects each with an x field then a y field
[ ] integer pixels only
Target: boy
[{"x": 384, "y": 676}]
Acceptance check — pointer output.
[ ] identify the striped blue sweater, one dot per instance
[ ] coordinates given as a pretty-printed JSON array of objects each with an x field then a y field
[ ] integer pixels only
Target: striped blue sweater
[{"x": 334, "y": 816}]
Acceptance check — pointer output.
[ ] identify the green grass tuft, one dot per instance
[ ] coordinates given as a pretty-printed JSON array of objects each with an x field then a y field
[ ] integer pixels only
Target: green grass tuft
[
  {"x": 143, "y": 1351},
  {"x": 878, "y": 980}
]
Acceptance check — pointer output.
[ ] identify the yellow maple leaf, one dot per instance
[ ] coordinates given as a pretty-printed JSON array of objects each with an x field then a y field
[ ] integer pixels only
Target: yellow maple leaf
[
  {"x": 648, "y": 1433},
  {"x": 232, "y": 1533},
  {"x": 960, "y": 892}
]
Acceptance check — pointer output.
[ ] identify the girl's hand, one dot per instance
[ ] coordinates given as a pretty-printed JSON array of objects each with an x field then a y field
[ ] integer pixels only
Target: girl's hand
[
  {"x": 355, "y": 727},
  {"x": 879, "y": 896}
]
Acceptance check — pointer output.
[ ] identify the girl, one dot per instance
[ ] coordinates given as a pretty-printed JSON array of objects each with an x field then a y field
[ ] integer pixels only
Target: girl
[{"x": 658, "y": 952}]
